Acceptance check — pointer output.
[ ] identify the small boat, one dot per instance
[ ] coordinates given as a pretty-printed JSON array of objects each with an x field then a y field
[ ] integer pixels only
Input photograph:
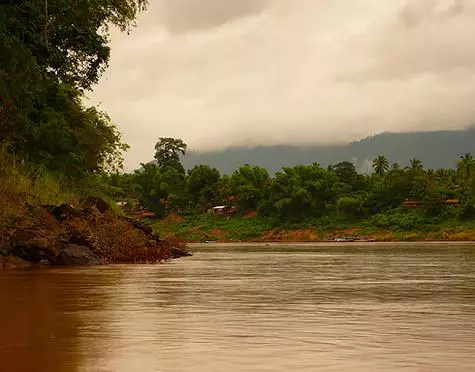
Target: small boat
[
  {"x": 344, "y": 239},
  {"x": 364, "y": 240},
  {"x": 350, "y": 239}
]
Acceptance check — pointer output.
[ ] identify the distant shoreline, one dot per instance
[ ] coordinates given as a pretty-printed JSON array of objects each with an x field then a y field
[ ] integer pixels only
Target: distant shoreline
[{"x": 323, "y": 244}]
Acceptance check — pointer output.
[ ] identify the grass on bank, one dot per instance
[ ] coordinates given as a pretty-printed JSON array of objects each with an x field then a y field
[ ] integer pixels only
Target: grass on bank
[
  {"x": 397, "y": 226},
  {"x": 22, "y": 183}
]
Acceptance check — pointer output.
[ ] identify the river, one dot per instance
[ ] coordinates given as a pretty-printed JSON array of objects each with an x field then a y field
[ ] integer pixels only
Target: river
[{"x": 236, "y": 309}]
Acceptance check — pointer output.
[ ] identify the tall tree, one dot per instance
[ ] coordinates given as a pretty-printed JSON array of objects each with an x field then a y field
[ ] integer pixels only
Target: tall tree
[
  {"x": 380, "y": 165},
  {"x": 50, "y": 53},
  {"x": 68, "y": 39},
  {"x": 466, "y": 166},
  {"x": 168, "y": 151}
]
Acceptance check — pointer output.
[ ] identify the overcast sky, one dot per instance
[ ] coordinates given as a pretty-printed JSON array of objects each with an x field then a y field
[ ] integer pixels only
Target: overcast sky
[{"x": 249, "y": 72}]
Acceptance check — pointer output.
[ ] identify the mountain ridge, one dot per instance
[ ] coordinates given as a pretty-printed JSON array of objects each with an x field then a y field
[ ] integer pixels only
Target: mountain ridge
[{"x": 436, "y": 149}]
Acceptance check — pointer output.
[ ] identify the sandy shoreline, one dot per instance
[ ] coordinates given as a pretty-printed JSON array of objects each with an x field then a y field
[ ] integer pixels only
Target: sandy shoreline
[{"x": 322, "y": 244}]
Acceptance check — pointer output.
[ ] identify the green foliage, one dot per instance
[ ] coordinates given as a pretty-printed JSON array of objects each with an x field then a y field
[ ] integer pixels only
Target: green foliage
[
  {"x": 346, "y": 173},
  {"x": 416, "y": 165},
  {"x": 305, "y": 196},
  {"x": 311, "y": 202},
  {"x": 149, "y": 187},
  {"x": 397, "y": 221},
  {"x": 68, "y": 39},
  {"x": 50, "y": 52},
  {"x": 302, "y": 191},
  {"x": 350, "y": 207}
]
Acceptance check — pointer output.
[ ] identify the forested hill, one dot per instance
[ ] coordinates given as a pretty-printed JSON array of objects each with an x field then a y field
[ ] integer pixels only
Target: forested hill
[{"x": 438, "y": 149}]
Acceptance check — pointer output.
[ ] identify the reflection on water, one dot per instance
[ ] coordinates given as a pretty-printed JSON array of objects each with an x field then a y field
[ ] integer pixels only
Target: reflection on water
[{"x": 396, "y": 308}]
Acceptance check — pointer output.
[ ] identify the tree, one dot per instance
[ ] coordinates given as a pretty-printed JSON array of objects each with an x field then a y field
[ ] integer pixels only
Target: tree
[
  {"x": 390, "y": 193},
  {"x": 347, "y": 174},
  {"x": 68, "y": 39},
  {"x": 466, "y": 166},
  {"x": 203, "y": 185},
  {"x": 250, "y": 185},
  {"x": 148, "y": 184},
  {"x": 345, "y": 171},
  {"x": 380, "y": 165},
  {"x": 302, "y": 191},
  {"x": 50, "y": 53},
  {"x": 168, "y": 151},
  {"x": 416, "y": 165}
]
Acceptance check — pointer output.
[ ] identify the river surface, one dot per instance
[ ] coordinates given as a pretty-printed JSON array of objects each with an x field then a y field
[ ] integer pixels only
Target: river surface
[{"x": 372, "y": 308}]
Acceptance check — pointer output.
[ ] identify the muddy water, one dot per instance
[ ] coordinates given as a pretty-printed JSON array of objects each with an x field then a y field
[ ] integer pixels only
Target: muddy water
[{"x": 391, "y": 308}]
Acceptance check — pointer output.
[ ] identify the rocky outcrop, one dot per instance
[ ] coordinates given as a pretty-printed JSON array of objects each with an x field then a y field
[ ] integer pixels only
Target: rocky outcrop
[
  {"x": 179, "y": 252},
  {"x": 12, "y": 262},
  {"x": 147, "y": 229},
  {"x": 101, "y": 205},
  {"x": 74, "y": 254},
  {"x": 34, "y": 245},
  {"x": 91, "y": 235}
]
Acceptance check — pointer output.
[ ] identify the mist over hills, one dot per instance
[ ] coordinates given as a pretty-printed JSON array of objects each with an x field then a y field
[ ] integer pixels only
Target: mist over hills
[{"x": 438, "y": 149}]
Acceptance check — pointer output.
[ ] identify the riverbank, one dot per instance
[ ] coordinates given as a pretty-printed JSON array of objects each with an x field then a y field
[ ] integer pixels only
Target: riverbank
[
  {"x": 47, "y": 220},
  {"x": 290, "y": 245},
  {"x": 255, "y": 229}
]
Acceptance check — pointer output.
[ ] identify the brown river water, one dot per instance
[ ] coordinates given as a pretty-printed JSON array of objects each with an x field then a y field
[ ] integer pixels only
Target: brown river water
[{"x": 354, "y": 308}]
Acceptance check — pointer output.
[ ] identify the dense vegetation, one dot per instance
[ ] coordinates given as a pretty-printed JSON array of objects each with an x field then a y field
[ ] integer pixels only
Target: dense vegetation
[
  {"x": 54, "y": 150},
  {"x": 51, "y": 53},
  {"x": 439, "y": 149},
  {"x": 306, "y": 195}
]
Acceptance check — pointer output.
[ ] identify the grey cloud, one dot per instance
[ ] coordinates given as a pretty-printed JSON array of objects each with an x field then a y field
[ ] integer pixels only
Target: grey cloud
[
  {"x": 416, "y": 11},
  {"x": 187, "y": 15},
  {"x": 300, "y": 71}
]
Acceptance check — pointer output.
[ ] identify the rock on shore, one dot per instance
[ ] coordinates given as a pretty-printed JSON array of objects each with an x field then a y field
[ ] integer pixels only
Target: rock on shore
[{"x": 92, "y": 235}]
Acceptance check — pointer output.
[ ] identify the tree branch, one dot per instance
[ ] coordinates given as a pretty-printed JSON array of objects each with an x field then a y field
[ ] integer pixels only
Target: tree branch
[{"x": 46, "y": 24}]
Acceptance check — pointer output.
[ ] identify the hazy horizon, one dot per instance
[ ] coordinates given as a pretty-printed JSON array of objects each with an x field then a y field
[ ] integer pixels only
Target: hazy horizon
[{"x": 267, "y": 72}]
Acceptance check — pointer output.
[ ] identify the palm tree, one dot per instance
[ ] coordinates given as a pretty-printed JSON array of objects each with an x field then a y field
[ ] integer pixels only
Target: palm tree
[
  {"x": 416, "y": 165},
  {"x": 380, "y": 165},
  {"x": 431, "y": 175},
  {"x": 395, "y": 166},
  {"x": 445, "y": 175},
  {"x": 466, "y": 166}
]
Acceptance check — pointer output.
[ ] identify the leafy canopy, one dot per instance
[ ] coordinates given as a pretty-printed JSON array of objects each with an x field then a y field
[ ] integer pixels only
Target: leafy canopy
[{"x": 50, "y": 53}]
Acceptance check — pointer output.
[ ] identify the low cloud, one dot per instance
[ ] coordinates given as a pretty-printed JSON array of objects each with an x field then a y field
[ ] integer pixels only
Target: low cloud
[
  {"x": 279, "y": 71},
  {"x": 180, "y": 16}
]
